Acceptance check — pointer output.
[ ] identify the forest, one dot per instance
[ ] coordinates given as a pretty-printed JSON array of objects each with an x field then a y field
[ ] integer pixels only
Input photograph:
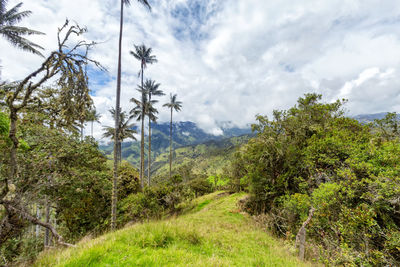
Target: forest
[{"x": 310, "y": 185}]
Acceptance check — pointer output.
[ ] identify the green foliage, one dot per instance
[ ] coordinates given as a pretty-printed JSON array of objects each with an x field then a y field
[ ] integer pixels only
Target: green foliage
[
  {"x": 312, "y": 156},
  {"x": 4, "y": 124},
  {"x": 154, "y": 202},
  {"x": 200, "y": 186},
  {"x": 128, "y": 180},
  {"x": 218, "y": 181},
  {"x": 20, "y": 249}
]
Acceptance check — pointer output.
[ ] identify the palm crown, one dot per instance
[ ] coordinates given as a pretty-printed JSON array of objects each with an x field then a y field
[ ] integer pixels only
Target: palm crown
[
  {"x": 173, "y": 104},
  {"x": 125, "y": 127},
  {"x": 144, "y": 2},
  {"x": 14, "y": 34},
  {"x": 145, "y": 106},
  {"x": 143, "y": 54}
]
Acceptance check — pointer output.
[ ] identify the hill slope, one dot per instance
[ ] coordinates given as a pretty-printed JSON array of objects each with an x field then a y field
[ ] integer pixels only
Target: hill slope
[
  {"x": 184, "y": 134},
  {"x": 213, "y": 233},
  {"x": 209, "y": 158}
]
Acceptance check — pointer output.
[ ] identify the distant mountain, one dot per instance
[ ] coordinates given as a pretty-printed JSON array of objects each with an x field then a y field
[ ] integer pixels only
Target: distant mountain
[
  {"x": 184, "y": 134},
  {"x": 366, "y": 118},
  {"x": 209, "y": 158}
]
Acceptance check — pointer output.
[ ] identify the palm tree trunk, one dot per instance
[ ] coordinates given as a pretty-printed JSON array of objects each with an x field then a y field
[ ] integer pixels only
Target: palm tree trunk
[
  {"x": 117, "y": 105},
  {"x": 120, "y": 152},
  {"x": 142, "y": 152},
  {"x": 142, "y": 138},
  {"x": 170, "y": 147},
  {"x": 149, "y": 155}
]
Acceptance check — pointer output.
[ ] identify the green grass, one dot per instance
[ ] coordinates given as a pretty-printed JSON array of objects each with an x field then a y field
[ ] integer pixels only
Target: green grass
[{"x": 213, "y": 233}]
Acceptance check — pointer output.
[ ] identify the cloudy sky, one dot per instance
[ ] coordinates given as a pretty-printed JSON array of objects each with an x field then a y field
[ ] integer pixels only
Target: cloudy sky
[{"x": 230, "y": 59}]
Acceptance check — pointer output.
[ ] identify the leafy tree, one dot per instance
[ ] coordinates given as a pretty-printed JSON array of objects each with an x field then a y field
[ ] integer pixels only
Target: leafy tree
[
  {"x": 388, "y": 127},
  {"x": 151, "y": 89},
  {"x": 143, "y": 54},
  {"x": 172, "y": 105},
  {"x": 313, "y": 156},
  {"x": 125, "y": 129},
  {"x": 65, "y": 65},
  {"x": 14, "y": 34},
  {"x": 117, "y": 108}
]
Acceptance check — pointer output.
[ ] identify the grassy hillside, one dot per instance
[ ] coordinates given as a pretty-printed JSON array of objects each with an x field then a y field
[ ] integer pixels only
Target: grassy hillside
[
  {"x": 211, "y": 233},
  {"x": 208, "y": 158}
]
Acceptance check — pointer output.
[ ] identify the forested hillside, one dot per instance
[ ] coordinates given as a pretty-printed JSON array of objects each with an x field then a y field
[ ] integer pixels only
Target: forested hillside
[{"x": 183, "y": 134}]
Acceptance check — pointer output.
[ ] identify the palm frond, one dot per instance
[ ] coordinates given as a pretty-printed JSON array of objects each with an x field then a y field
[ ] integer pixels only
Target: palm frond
[{"x": 14, "y": 34}]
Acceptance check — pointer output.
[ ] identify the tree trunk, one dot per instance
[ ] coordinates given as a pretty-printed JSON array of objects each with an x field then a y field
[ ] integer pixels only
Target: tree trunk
[
  {"x": 47, "y": 220},
  {"x": 114, "y": 196},
  {"x": 14, "y": 208},
  {"x": 170, "y": 147},
  {"x": 120, "y": 152},
  {"x": 149, "y": 155},
  {"x": 301, "y": 235},
  {"x": 91, "y": 129},
  {"x": 142, "y": 151},
  {"x": 37, "y": 232},
  {"x": 142, "y": 137}
]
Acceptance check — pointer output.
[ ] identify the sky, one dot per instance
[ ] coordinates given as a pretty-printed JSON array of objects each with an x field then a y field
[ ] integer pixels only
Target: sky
[{"x": 229, "y": 60}]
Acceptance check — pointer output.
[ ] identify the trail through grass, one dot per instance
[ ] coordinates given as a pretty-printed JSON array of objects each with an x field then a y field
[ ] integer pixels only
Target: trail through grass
[{"x": 213, "y": 233}]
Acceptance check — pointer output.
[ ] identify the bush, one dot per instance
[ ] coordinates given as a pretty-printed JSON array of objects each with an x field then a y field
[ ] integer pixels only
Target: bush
[
  {"x": 200, "y": 186},
  {"x": 312, "y": 156},
  {"x": 153, "y": 202}
]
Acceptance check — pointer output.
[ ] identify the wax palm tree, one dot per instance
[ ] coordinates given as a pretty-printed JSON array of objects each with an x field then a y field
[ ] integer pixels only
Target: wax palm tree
[
  {"x": 151, "y": 89},
  {"x": 125, "y": 129},
  {"x": 142, "y": 109},
  {"x": 117, "y": 107},
  {"x": 143, "y": 54},
  {"x": 173, "y": 105},
  {"x": 14, "y": 34},
  {"x": 92, "y": 117}
]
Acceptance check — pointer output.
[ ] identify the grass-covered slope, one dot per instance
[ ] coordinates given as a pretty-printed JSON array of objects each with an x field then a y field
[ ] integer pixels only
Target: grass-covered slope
[{"x": 213, "y": 233}]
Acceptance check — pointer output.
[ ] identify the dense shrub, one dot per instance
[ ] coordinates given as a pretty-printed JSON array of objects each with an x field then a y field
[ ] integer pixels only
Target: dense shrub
[
  {"x": 200, "y": 186},
  {"x": 312, "y": 156},
  {"x": 154, "y": 202}
]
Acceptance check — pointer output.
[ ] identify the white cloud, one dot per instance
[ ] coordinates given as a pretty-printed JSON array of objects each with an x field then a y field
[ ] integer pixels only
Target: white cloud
[{"x": 229, "y": 60}]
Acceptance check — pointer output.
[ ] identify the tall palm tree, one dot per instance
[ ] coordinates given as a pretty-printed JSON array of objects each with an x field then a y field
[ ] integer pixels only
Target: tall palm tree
[
  {"x": 14, "y": 34},
  {"x": 92, "y": 117},
  {"x": 143, "y": 54},
  {"x": 151, "y": 89},
  {"x": 142, "y": 109},
  {"x": 125, "y": 129},
  {"x": 117, "y": 108},
  {"x": 173, "y": 105}
]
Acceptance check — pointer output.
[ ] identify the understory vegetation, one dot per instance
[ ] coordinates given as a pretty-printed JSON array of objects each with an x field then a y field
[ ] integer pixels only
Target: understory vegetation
[{"x": 312, "y": 156}]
